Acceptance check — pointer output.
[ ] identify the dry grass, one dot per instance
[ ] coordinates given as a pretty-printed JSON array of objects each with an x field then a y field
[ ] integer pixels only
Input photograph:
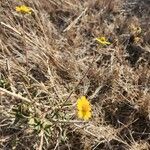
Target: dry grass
[{"x": 50, "y": 58}]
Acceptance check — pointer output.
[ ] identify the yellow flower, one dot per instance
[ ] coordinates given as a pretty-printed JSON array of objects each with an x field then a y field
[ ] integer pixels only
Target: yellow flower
[
  {"x": 137, "y": 39},
  {"x": 136, "y": 30},
  {"x": 103, "y": 41},
  {"x": 84, "y": 108},
  {"x": 23, "y": 9}
]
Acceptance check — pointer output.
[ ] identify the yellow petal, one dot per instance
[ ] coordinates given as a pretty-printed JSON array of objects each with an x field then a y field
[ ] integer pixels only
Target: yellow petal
[
  {"x": 87, "y": 116},
  {"x": 84, "y": 108},
  {"x": 80, "y": 114},
  {"x": 103, "y": 41},
  {"x": 17, "y": 8},
  {"x": 23, "y": 9}
]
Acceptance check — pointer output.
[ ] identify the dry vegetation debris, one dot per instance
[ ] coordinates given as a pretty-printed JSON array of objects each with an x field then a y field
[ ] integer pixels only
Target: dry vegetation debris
[{"x": 49, "y": 58}]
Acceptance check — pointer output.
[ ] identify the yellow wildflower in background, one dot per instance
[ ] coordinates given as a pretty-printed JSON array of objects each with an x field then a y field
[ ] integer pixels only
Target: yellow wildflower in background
[
  {"x": 84, "y": 108},
  {"x": 135, "y": 30},
  {"x": 23, "y": 9},
  {"x": 103, "y": 41},
  {"x": 138, "y": 40}
]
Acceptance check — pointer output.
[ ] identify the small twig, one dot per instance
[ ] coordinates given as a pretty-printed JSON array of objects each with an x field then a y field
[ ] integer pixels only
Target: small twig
[
  {"x": 10, "y": 76},
  {"x": 76, "y": 20},
  {"x": 15, "y": 95},
  {"x": 16, "y": 31},
  {"x": 41, "y": 141},
  {"x": 2, "y": 90},
  {"x": 57, "y": 144},
  {"x": 24, "y": 41},
  {"x": 28, "y": 93},
  {"x": 10, "y": 27},
  {"x": 80, "y": 81},
  {"x": 67, "y": 121}
]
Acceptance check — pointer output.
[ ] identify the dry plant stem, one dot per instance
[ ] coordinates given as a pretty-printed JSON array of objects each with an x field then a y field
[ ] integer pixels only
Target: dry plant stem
[
  {"x": 2, "y": 90},
  {"x": 16, "y": 31},
  {"x": 10, "y": 27},
  {"x": 10, "y": 76},
  {"x": 24, "y": 38},
  {"x": 60, "y": 107},
  {"x": 98, "y": 139},
  {"x": 76, "y": 20},
  {"x": 67, "y": 121},
  {"x": 15, "y": 95},
  {"x": 41, "y": 141},
  {"x": 24, "y": 42},
  {"x": 79, "y": 81},
  {"x": 57, "y": 144},
  {"x": 29, "y": 95}
]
